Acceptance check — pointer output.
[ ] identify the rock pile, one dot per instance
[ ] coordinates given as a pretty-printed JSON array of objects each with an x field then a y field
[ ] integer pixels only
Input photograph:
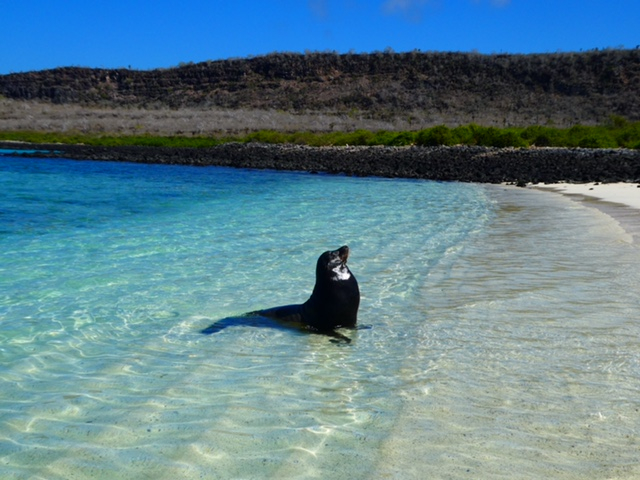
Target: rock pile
[{"x": 460, "y": 163}]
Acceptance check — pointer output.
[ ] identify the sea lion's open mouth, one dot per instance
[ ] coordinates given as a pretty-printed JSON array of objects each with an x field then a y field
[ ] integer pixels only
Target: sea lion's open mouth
[{"x": 343, "y": 252}]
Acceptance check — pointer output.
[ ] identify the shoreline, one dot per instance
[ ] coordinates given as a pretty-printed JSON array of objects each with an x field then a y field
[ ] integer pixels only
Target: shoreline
[
  {"x": 625, "y": 194},
  {"x": 607, "y": 179},
  {"x": 520, "y": 166},
  {"x": 620, "y": 200}
]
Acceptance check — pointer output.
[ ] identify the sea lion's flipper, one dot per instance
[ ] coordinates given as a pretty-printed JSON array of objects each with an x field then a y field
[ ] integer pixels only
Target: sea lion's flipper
[
  {"x": 286, "y": 313},
  {"x": 288, "y": 317},
  {"x": 241, "y": 320},
  {"x": 337, "y": 337}
]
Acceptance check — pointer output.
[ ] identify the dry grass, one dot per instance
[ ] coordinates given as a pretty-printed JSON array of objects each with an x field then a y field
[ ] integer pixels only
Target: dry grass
[
  {"x": 17, "y": 115},
  {"x": 34, "y": 115}
]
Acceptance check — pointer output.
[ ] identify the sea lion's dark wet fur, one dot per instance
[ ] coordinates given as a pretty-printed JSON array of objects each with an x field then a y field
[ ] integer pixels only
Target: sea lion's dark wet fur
[{"x": 333, "y": 303}]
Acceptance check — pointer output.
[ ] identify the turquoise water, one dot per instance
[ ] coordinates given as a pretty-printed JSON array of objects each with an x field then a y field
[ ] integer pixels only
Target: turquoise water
[
  {"x": 503, "y": 337},
  {"x": 11, "y": 151}
]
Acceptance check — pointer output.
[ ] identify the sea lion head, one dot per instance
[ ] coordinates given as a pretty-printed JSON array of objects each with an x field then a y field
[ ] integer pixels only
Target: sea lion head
[{"x": 333, "y": 265}]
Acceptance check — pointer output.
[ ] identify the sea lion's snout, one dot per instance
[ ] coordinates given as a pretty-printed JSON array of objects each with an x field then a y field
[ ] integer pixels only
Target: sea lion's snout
[
  {"x": 343, "y": 253},
  {"x": 334, "y": 259}
]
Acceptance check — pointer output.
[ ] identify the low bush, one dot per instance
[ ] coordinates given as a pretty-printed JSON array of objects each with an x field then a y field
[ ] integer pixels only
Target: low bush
[
  {"x": 432, "y": 137},
  {"x": 614, "y": 134}
]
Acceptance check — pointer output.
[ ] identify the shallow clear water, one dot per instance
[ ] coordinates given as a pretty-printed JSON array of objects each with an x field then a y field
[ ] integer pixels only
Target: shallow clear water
[{"x": 503, "y": 339}]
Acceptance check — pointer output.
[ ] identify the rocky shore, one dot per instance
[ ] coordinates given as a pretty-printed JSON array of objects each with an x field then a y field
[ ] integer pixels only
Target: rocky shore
[{"x": 460, "y": 163}]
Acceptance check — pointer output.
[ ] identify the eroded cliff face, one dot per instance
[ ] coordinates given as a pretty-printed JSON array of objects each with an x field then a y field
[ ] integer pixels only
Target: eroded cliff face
[{"x": 566, "y": 88}]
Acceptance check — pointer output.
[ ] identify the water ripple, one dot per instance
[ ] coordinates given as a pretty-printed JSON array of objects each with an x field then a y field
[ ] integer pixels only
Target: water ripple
[{"x": 501, "y": 340}]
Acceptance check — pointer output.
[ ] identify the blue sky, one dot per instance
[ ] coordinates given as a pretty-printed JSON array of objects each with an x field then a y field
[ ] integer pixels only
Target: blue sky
[{"x": 145, "y": 34}]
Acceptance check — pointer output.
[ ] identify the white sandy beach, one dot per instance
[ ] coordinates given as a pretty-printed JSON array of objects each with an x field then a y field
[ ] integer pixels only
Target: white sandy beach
[
  {"x": 623, "y": 193},
  {"x": 619, "y": 200}
]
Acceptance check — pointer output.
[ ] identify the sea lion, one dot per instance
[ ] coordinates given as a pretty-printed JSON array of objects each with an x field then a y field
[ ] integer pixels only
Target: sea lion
[{"x": 333, "y": 303}]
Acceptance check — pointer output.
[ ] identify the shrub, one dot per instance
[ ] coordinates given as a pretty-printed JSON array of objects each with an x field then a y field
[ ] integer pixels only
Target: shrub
[
  {"x": 402, "y": 139},
  {"x": 542, "y": 136},
  {"x": 464, "y": 135},
  {"x": 383, "y": 137},
  {"x": 266, "y": 136},
  {"x": 431, "y": 137},
  {"x": 595, "y": 140},
  {"x": 305, "y": 138},
  {"x": 628, "y": 135},
  {"x": 509, "y": 138},
  {"x": 574, "y": 135},
  {"x": 618, "y": 132},
  {"x": 359, "y": 137},
  {"x": 617, "y": 122}
]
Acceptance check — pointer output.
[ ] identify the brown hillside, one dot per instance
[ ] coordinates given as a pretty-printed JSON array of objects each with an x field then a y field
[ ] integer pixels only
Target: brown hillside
[{"x": 406, "y": 89}]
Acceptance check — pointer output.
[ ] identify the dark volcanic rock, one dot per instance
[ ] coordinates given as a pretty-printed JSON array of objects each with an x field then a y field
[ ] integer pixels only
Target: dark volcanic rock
[{"x": 461, "y": 163}]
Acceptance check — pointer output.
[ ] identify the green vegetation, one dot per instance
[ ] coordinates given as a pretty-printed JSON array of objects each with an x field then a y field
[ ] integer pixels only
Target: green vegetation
[
  {"x": 616, "y": 133},
  {"x": 109, "y": 140}
]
